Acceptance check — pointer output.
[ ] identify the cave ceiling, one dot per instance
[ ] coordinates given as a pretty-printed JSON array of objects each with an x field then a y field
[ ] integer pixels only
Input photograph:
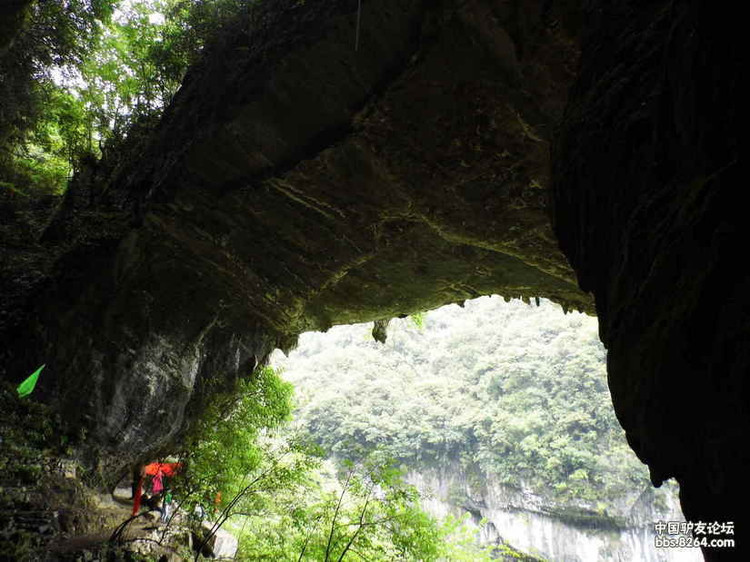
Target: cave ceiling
[{"x": 301, "y": 178}]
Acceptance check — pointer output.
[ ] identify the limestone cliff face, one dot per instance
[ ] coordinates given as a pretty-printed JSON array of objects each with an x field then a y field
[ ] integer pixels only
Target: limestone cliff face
[
  {"x": 541, "y": 527},
  {"x": 300, "y": 181}
]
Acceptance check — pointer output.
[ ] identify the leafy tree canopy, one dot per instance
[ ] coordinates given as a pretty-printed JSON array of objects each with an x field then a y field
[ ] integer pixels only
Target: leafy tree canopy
[
  {"x": 287, "y": 504},
  {"x": 79, "y": 73},
  {"x": 508, "y": 390},
  {"x": 225, "y": 447},
  {"x": 361, "y": 511}
]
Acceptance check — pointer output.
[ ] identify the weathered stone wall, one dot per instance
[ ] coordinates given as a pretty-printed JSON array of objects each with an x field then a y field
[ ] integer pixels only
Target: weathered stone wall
[
  {"x": 541, "y": 526},
  {"x": 646, "y": 170},
  {"x": 296, "y": 182}
]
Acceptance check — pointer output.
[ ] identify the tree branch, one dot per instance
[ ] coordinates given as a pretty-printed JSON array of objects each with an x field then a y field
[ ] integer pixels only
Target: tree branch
[
  {"x": 336, "y": 514},
  {"x": 361, "y": 522}
]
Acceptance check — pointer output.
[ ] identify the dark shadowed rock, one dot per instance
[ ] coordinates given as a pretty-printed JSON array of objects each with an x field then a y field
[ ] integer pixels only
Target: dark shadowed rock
[{"x": 646, "y": 169}]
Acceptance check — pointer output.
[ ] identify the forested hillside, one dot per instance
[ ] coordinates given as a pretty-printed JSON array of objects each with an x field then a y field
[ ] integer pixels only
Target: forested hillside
[
  {"x": 511, "y": 389},
  {"x": 494, "y": 408}
]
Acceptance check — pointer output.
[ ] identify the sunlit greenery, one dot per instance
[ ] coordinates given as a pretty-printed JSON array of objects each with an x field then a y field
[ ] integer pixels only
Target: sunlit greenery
[
  {"x": 224, "y": 449},
  {"x": 361, "y": 512},
  {"x": 512, "y": 391},
  {"x": 287, "y": 503},
  {"x": 81, "y": 72},
  {"x": 39, "y": 122}
]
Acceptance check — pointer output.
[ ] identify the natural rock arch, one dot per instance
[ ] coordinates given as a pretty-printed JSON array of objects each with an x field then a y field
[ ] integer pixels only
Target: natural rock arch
[{"x": 298, "y": 182}]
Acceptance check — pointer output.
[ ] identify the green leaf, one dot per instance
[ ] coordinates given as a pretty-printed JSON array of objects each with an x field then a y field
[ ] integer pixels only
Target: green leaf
[{"x": 27, "y": 386}]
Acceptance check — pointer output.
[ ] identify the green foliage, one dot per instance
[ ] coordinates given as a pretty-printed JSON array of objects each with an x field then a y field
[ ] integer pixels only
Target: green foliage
[
  {"x": 27, "y": 386},
  {"x": 54, "y": 35},
  {"x": 513, "y": 392},
  {"x": 35, "y": 141},
  {"x": 364, "y": 512},
  {"x": 285, "y": 504},
  {"x": 224, "y": 448},
  {"x": 191, "y": 25},
  {"x": 418, "y": 319},
  {"x": 82, "y": 72}
]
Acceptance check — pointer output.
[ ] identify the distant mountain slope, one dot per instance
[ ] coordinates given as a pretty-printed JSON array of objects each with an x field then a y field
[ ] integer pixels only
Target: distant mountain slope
[{"x": 495, "y": 402}]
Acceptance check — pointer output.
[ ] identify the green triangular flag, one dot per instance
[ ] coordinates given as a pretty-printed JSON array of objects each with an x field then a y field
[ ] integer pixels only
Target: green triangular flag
[{"x": 27, "y": 386}]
